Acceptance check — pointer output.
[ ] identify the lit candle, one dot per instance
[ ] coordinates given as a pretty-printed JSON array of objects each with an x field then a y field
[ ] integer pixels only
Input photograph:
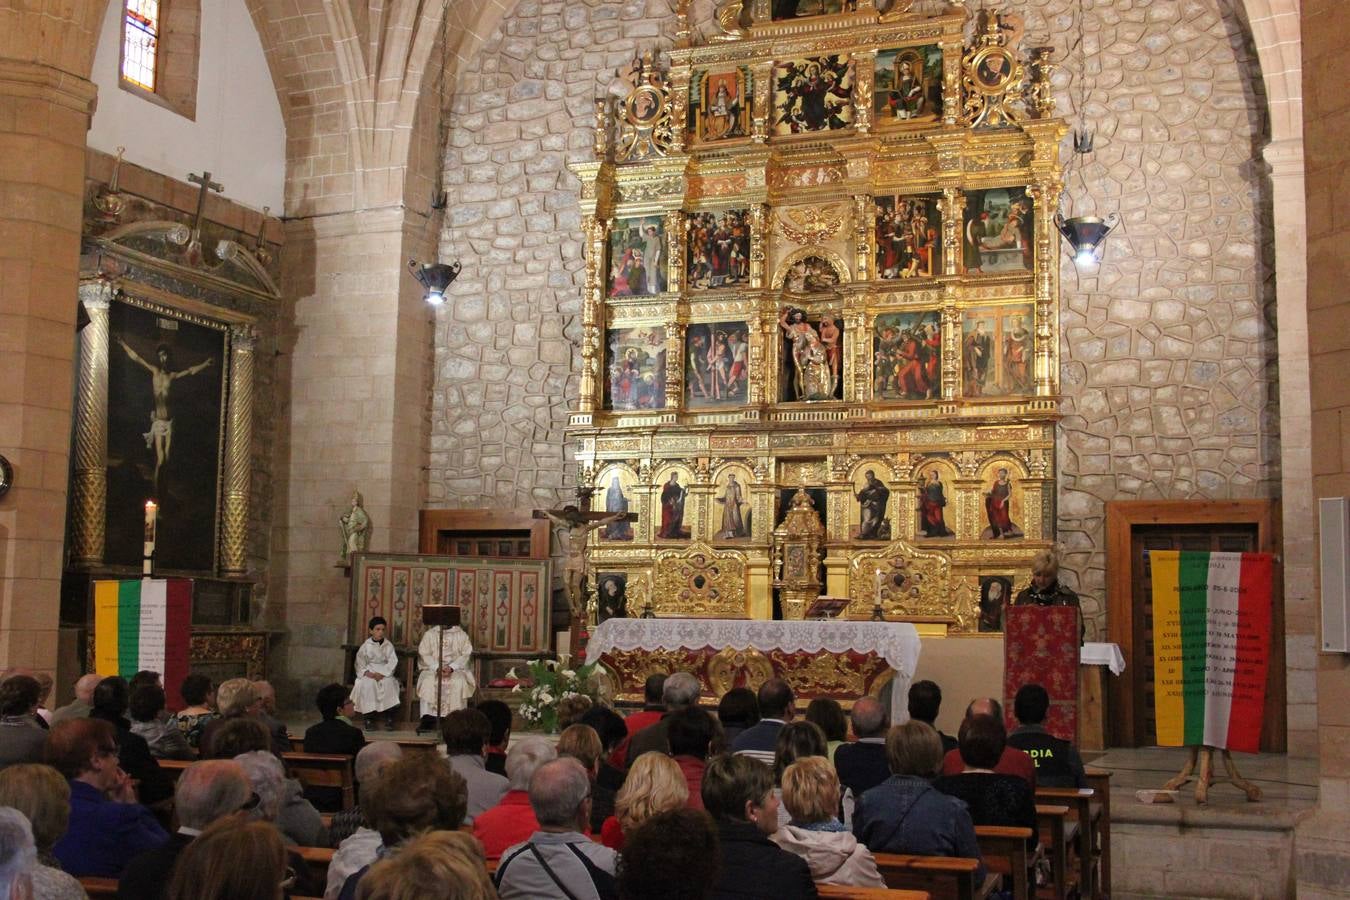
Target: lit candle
[
  {"x": 151, "y": 513},
  {"x": 879, "y": 583}
]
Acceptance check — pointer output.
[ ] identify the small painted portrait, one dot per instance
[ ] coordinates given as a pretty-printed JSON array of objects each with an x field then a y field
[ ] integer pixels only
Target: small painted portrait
[
  {"x": 636, "y": 367},
  {"x": 731, "y": 508},
  {"x": 716, "y": 371},
  {"x": 997, "y": 351},
  {"x": 995, "y": 594},
  {"x": 612, "y": 588},
  {"x": 812, "y": 356},
  {"x": 874, "y": 523},
  {"x": 999, "y": 236},
  {"x": 674, "y": 493},
  {"x": 998, "y": 508},
  {"x": 719, "y": 104},
  {"x": 814, "y": 94},
  {"x": 907, "y": 356},
  {"x": 719, "y": 250},
  {"x": 994, "y": 69},
  {"x": 907, "y": 85},
  {"x": 637, "y": 257},
  {"x": 784, "y": 10},
  {"x": 933, "y": 504},
  {"x": 810, "y": 274},
  {"x": 618, "y": 487},
  {"x": 909, "y": 236}
]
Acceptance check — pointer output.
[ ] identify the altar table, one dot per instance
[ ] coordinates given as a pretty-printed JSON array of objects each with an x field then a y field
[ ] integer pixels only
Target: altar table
[{"x": 842, "y": 660}]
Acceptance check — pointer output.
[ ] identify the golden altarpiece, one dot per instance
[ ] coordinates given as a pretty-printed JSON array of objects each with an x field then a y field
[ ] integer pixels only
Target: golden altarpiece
[{"x": 822, "y": 270}]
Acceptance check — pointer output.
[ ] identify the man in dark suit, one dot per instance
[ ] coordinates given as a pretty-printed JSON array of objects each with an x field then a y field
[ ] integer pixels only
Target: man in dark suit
[
  {"x": 925, "y": 701},
  {"x": 775, "y": 710},
  {"x": 206, "y": 791},
  {"x": 334, "y": 734},
  {"x": 862, "y": 764}
]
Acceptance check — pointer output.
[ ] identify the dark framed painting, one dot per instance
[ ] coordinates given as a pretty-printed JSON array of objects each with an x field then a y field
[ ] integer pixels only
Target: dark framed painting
[
  {"x": 907, "y": 85},
  {"x": 635, "y": 362},
  {"x": 166, "y": 404},
  {"x": 812, "y": 94},
  {"x": 637, "y": 257},
  {"x": 786, "y": 10},
  {"x": 998, "y": 351},
  {"x": 812, "y": 356},
  {"x": 719, "y": 104},
  {"x": 995, "y": 595},
  {"x": 907, "y": 356},
  {"x": 719, "y": 250},
  {"x": 716, "y": 364},
  {"x": 612, "y": 595},
  {"x": 909, "y": 236},
  {"x": 999, "y": 233}
]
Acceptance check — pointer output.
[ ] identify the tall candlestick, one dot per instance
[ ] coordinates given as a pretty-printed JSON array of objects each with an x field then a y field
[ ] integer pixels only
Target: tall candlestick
[
  {"x": 147, "y": 558},
  {"x": 877, "y": 614}
]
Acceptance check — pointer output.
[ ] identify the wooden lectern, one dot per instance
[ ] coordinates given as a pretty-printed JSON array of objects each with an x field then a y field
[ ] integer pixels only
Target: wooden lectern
[{"x": 1040, "y": 645}]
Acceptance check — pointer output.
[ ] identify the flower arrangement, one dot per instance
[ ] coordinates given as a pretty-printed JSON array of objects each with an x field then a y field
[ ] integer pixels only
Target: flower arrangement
[{"x": 549, "y": 682}]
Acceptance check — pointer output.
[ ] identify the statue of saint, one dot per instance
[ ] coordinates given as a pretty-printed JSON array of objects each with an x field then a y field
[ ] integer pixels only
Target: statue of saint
[
  {"x": 813, "y": 375},
  {"x": 355, "y": 529}
]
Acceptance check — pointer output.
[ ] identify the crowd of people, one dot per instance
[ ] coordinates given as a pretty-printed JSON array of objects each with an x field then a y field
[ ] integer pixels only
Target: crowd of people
[{"x": 674, "y": 801}]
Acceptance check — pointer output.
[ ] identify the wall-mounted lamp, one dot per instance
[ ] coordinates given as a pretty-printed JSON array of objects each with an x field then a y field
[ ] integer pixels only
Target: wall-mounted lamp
[
  {"x": 435, "y": 278},
  {"x": 1086, "y": 235}
]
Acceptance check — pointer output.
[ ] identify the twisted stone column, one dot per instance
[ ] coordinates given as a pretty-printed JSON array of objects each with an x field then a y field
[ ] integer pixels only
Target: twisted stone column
[
  {"x": 88, "y": 506},
  {"x": 238, "y": 453}
]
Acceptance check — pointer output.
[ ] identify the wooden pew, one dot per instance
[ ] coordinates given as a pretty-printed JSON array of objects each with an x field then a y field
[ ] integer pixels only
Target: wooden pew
[
  {"x": 323, "y": 770},
  {"x": 318, "y": 859},
  {"x": 1080, "y": 804},
  {"x": 174, "y": 768},
  {"x": 845, "y": 892},
  {"x": 1054, "y": 827},
  {"x": 1004, "y": 851},
  {"x": 945, "y": 877},
  {"x": 99, "y": 887},
  {"x": 1100, "y": 782}
]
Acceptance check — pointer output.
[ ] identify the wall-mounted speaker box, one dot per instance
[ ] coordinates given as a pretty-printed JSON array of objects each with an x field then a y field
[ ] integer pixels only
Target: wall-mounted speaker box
[{"x": 1334, "y": 513}]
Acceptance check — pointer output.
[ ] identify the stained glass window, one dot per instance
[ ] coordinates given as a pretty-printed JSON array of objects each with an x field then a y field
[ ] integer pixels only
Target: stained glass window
[{"x": 140, "y": 42}]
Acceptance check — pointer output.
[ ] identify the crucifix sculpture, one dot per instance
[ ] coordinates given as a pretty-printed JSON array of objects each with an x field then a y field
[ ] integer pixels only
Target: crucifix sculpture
[
  {"x": 576, "y": 525},
  {"x": 194, "y": 247}
]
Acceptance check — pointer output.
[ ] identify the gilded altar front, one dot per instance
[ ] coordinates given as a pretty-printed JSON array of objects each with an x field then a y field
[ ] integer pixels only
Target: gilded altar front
[{"x": 821, "y": 258}]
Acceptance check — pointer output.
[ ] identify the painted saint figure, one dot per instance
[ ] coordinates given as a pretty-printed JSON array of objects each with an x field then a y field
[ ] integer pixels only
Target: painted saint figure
[
  {"x": 160, "y": 435},
  {"x": 613, "y": 598},
  {"x": 672, "y": 509},
  {"x": 616, "y": 502},
  {"x": 872, "y": 499},
  {"x": 932, "y": 499},
  {"x": 733, "y": 522},
  {"x": 978, "y": 347},
  {"x": 998, "y": 509},
  {"x": 1017, "y": 357}
]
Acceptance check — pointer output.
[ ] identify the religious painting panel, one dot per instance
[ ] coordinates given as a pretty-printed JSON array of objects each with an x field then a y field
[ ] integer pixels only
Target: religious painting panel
[
  {"x": 812, "y": 355},
  {"x": 818, "y": 496},
  {"x": 614, "y": 494},
  {"x": 786, "y": 10},
  {"x": 636, "y": 365},
  {"x": 907, "y": 85},
  {"x": 719, "y": 104},
  {"x": 166, "y": 401},
  {"x": 909, "y": 236},
  {"x": 809, "y": 273},
  {"x": 731, "y": 518},
  {"x": 995, "y": 595},
  {"x": 907, "y": 356},
  {"x": 716, "y": 369},
  {"x": 719, "y": 250},
  {"x": 997, "y": 351},
  {"x": 612, "y": 588},
  {"x": 812, "y": 94},
  {"x": 637, "y": 257},
  {"x": 999, "y": 234},
  {"x": 673, "y": 517},
  {"x": 933, "y": 518},
  {"x": 1001, "y": 494},
  {"x": 874, "y": 516}
]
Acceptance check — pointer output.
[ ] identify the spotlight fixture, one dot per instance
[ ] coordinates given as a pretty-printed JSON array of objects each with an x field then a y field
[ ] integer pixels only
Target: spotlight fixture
[
  {"x": 1086, "y": 235},
  {"x": 434, "y": 278}
]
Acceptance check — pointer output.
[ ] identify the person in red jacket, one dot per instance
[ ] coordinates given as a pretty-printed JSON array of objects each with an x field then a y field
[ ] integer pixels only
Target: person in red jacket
[
  {"x": 512, "y": 820},
  {"x": 1011, "y": 762}
]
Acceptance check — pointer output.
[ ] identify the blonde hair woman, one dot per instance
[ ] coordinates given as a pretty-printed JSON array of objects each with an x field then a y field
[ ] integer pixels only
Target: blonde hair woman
[
  {"x": 438, "y": 865},
  {"x": 654, "y": 785},
  {"x": 42, "y": 794},
  {"x": 814, "y": 832}
]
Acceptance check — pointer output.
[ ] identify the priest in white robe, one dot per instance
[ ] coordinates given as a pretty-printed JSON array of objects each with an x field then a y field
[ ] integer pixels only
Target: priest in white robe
[
  {"x": 456, "y": 680},
  {"x": 376, "y": 689}
]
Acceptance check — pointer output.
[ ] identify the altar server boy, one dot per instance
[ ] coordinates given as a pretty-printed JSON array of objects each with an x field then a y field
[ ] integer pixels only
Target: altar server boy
[{"x": 376, "y": 688}]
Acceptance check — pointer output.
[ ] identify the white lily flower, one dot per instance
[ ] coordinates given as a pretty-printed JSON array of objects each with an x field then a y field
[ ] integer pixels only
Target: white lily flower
[
  {"x": 511, "y": 673},
  {"x": 568, "y": 673},
  {"x": 516, "y": 688}
]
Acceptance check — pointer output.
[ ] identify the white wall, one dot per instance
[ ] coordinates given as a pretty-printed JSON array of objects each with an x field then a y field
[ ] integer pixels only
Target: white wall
[{"x": 239, "y": 135}]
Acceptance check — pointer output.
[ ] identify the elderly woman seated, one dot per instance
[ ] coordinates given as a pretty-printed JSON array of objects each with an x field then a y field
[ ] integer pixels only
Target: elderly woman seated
[
  {"x": 811, "y": 795},
  {"x": 738, "y": 793},
  {"x": 43, "y": 796}
]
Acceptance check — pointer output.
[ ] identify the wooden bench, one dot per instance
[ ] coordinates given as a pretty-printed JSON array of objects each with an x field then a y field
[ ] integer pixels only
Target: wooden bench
[
  {"x": 1052, "y": 822},
  {"x": 99, "y": 887},
  {"x": 318, "y": 859},
  {"x": 846, "y": 892},
  {"x": 1100, "y": 782},
  {"x": 1083, "y": 836},
  {"x": 323, "y": 770},
  {"x": 944, "y": 877},
  {"x": 1004, "y": 850}
]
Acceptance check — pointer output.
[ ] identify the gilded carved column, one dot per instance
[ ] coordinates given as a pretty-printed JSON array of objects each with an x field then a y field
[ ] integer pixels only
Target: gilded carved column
[
  {"x": 675, "y": 247},
  {"x": 761, "y": 76},
  {"x": 759, "y": 243},
  {"x": 592, "y": 313},
  {"x": 238, "y": 453},
  {"x": 864, "y": 233},
  {"x": 1046, "y": 196},
  {"x": 953, "y": 213},
  {"x": 679, "y": 109},
  {"x": 952, "y": 342},
  {"x": 864, "y": 69},
  {"x": 90, "y": 485},
  {"x": 675, "y": 366},
  {"x": 951, "y": 83}
]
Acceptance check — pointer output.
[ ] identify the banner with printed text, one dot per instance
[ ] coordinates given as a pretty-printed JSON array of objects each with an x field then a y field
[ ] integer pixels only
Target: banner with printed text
[
  {"x": 144, "y": 624},
  {"x": 1211, "y": 647}
]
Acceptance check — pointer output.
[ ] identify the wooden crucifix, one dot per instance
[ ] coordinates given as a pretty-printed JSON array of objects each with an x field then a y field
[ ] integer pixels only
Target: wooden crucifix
[
  {"x": 577, "y": 524},
  {"x": 207, "y": 186}
]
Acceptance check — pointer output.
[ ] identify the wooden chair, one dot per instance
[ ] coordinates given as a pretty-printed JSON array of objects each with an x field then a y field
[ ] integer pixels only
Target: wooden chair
[
  {"x": 845, "y": 892},
  {"x": 323, "y": 770},
  {"x": 1005, "y": 853},
  {"x": 1100, "y": 782},
  {"x": 1054, "y": 827},
  {"x": 99, "y": 887},
  {"x": 1084, "y": 817},
  {"x": 944, "y": 877}
]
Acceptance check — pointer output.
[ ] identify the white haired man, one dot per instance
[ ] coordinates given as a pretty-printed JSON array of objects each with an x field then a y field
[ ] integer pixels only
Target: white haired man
[
  {"x": 357, "y": 845},
  {"x": 18, "y": 855},
  {"x": 512, "y": 820}
]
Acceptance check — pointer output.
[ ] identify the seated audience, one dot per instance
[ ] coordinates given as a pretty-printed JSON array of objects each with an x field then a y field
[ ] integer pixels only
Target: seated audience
[
  {"x": 671, "y": 856},
  {"x": 499, "y": 737},
  {"x": 267, "y": 714},
  {"x": 811, "y": 795},
  {"x": 1057, "y": 762},
  {"x": 862, "y": 764},
  {"x": 738, "y": 793},
  {"x": 200, "y": 696},
  {"x": 18, "y": 857},
  {"x": 680, "y": 691},
  {"x": 736, "y": 711},
  {"x": 571, "y": 709},
  {"x": 653, "y": 705},
  {"x": 691, "y": 733},
  {"x": 1012, "y": 762},
  {"x": 205, "y": 792},
  {"x": 83, "y": 702},
  {"x": 512, "y": 820},
  {"x": 107, "y": 824},
  {"x": 437, "y": 865},
  {"x": 237, "y": 698},
  {"x": 558, "y": 859},
  {"x": 21, "y": 737},
  {"x": 609, "y": 725},
  {"x": 43, "y": 796},
  {"x": 356, "y": 842},
  {"x": 991, "y": 798},
  {"x": 333, "y": 735},
  {"x": 111, "y": 698},
  {"x": 45, "y": 685},
  {"x": 411, "y": 797},
  {"x": 905, "y": 813},
  {"x": 796, "y": 740},
  {"x": 146, "y": 707},
  {"x": 829, "y": 716},
  {"x": 466, "y": 732},
  {"x": 925, "y": 702},
  {"x": 655, "y": 784},
  {"x": 210, "y": 868},
  {"x": 145, "y": 678},
  {"x": 280, "y": 801},
  {"x": 775, "y": 708}
]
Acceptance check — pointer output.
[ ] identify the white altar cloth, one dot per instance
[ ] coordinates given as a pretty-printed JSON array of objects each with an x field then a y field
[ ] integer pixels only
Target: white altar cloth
[
  {"x": 1098, "y": 653},
  {"x": 895, "y": 642}
]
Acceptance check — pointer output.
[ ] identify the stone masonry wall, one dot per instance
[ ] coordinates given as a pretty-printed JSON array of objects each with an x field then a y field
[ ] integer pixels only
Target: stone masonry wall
[{"x": 1168, "y": 351}]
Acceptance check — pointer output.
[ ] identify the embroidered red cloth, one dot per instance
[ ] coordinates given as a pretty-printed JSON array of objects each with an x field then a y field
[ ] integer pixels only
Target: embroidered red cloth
[{"x": 1040, "y": 644}]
